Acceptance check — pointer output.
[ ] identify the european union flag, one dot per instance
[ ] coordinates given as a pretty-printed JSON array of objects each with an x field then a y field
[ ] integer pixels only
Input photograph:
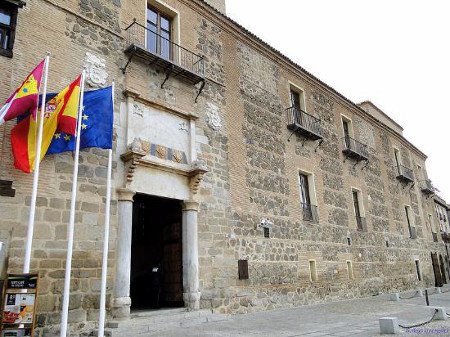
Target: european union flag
[{"x": 96, "y": 124}]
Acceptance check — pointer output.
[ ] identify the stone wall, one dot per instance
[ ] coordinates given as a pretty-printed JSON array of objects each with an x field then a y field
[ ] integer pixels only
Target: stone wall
[{"x": 241, "y": 136}]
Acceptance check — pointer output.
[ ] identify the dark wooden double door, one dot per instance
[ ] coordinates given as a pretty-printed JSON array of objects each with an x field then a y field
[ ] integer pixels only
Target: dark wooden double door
[{"x": 156, "y": 253}]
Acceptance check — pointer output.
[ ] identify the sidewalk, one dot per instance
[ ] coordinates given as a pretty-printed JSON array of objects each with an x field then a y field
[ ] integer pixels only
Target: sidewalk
[{"x": 355, "y": 318}]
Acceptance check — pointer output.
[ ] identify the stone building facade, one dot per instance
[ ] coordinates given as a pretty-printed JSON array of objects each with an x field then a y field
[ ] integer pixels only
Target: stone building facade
[{"x": 252, "y": 184}]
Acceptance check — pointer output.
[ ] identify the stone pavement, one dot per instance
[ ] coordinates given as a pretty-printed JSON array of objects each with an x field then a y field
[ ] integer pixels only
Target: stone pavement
[{"x": 353, "y": 318}]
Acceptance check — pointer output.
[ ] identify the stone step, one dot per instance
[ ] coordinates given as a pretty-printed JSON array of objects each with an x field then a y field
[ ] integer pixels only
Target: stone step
[{"x": 145, "y": 322}]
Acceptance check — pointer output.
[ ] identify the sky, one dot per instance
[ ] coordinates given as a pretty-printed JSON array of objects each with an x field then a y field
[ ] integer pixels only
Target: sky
[{"x": 395, "y": 53}]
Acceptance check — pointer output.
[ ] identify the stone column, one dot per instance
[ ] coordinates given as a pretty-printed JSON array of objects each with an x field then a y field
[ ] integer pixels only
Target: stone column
[
  {"x": 122, "y": 300},
  {"x": 191, "y": 294}
]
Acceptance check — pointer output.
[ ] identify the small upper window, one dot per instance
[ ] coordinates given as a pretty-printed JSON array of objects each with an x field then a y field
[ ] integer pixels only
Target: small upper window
[{"x": 8, "y": 18}]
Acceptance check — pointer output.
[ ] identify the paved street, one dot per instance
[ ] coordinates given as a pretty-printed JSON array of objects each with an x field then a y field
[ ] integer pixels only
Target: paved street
[{"x": 346, "y": 318}]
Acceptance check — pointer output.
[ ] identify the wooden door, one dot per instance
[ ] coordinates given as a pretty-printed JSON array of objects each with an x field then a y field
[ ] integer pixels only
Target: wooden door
[{"x": 437, "y": 270}]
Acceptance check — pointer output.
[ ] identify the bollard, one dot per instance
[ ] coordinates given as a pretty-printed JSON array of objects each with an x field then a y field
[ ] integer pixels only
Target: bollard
[
  {"x": 441, "y": 314},
  {"x": 426, "y": 298},
  {"x": 389, "y": 325},
  {"x": 395, "y": 297}
]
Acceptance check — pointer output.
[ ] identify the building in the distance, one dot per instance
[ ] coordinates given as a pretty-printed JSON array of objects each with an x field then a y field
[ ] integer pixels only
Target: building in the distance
[{"x": 248, "y": 181}]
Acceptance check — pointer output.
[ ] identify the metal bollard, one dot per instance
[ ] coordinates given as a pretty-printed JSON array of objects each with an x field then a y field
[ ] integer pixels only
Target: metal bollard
[{"x": 426, "y": 298}]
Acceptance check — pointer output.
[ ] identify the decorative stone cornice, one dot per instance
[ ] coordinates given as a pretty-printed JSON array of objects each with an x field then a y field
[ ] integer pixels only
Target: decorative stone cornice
[
  {"x": 135, "y": 158},
  {"x": 125, "y": 194}
]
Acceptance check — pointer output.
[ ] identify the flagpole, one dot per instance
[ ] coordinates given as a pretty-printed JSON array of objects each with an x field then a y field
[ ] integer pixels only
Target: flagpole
[
  {"x": 70, "y": 231},
  {"x": 37, "y": 161},
  {"x": 101, "y": 323}
]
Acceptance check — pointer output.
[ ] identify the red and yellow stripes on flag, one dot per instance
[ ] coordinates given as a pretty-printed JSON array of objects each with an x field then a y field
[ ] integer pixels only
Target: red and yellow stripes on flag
[{"x": 60, "y": 114}]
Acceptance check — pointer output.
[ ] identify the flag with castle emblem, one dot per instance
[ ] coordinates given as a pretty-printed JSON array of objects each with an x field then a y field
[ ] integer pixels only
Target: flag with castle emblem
[
  {"x": 25, "y": 99},
  {"x": 96, "y": 124},
  {"x": 60, "y": 114}
]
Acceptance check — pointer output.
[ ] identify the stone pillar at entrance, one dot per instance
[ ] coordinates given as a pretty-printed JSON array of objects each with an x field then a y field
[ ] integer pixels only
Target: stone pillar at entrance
[
  {"x": 191, "y": 294},
  {"x": 122, "y": 300}
]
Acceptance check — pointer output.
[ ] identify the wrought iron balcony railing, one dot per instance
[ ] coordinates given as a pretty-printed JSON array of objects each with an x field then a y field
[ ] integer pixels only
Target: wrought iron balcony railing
[
  {"x": 155, "y": 49},
  {"x": 427, "y": 187},
  {"x": 445, "y": 237},
  {"x": 355, "y": 149},
  {"x": 405, "y": 174},
  {"x": 361, "y": 223},
  {"x": 303, "y": 123},
  {"x": 310, "y": 212}
]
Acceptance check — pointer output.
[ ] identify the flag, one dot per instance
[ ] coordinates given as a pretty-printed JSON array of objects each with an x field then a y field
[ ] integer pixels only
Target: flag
[
  {"x": 60, "y": 109},
  {"x": 25, "y": 98},
  {"x": 96, "y": 124}
]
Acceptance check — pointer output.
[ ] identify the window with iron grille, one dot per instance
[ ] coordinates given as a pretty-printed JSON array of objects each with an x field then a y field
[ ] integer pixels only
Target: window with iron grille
[{"x": 8, "y": 18}]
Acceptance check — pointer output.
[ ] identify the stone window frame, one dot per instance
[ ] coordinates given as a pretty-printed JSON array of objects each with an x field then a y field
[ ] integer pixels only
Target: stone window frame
[
  {"x": 312, "y": 265},
  {"x": 362, "y": 209},
  {"x": 350, "y": 274},
  {"x": 432, "y": 224},
  {"x": 170, "y": 12},
  {"x": 409, "y": 215},
  {"x": 350, "y": 126},
  {"x": 418, "y": 271},
  {"x": 311, "y": 184},
  {"x": 298, "y": 89},
  {"x": 399, "y": 157}
]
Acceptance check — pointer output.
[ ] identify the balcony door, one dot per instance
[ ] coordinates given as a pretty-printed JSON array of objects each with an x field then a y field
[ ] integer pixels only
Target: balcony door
[
  {"x": 295, "y": 99},
  {"x": 159, "y": 34},
  {"x": 346, "y": 128},
  {"x": 397, "y": 160}
]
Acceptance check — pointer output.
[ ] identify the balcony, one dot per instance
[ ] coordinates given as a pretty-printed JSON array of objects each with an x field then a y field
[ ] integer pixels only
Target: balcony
[
  {"x": 355, "y": 149},
  {"x": 310, "y": 212},
  {"x": 155, "y": 49},
  {"x": 361, "y": 224},
  {"x": 303, "y": 123},
  {"x": 445, "y": 237},
  {"x": 405, "y": 174},
  {"x": 427, "y": 187}
]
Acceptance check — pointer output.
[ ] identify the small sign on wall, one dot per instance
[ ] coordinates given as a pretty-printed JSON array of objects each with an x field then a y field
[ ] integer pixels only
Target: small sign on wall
[{"x": 19, "y": 305}]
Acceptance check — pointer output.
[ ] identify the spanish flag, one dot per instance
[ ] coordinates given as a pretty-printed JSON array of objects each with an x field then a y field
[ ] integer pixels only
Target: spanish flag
[
  {"x": 60, "y": 114},
  {"x": 25, "y": 98}
]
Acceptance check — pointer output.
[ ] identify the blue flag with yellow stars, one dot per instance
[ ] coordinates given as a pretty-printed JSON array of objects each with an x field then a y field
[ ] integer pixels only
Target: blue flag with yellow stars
[{"x": 96, "y": 124}]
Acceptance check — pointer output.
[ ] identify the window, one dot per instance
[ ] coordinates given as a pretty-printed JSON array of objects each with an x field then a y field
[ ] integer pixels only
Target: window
[
  {"x": 411, "y": 227},
  {"x": 357, "y": 207},
  {"x": 348, "y": 132},
  {"x": 349, "y": 270},
  {"x": 418, "y": 270},
  {"x": 397, "y": 160},
  {"x": 312, "y": 271},
  {"x": 8, "y": 18},
  {"x": 297, "y": 97},
  {"x": 306, "y": 184},
  {"x": 159, "y": 33}
]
